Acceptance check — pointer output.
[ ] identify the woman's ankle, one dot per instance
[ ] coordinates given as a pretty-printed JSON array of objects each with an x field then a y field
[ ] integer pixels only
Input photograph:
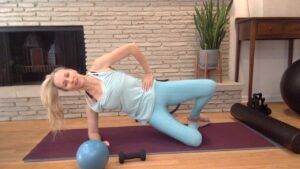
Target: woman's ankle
[
  {"x": 200, "y": 121},
  {"x": 202, "y": 118}
]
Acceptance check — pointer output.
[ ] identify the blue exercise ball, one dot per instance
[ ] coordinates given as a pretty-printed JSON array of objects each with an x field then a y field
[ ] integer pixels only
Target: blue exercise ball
[
  {"x": 92, "y": 154},
  {"x": 290, "y": 86}
]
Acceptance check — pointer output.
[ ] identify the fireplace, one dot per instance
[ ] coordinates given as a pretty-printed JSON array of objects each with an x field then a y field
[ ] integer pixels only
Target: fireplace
[{"x": 27, "y": 54}]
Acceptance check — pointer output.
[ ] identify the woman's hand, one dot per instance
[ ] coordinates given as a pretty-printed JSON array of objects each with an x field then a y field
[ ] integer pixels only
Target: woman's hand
[
  {"x": 148, "y": 81},
  {"x": 106, "y": 143}
]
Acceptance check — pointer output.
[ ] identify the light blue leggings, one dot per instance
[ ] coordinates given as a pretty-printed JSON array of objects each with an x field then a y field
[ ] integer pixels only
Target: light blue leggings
[{"x": 173, "y": 93}]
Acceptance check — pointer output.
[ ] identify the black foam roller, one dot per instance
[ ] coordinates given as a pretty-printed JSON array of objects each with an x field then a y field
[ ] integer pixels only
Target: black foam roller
[{"x": 280, "y": 132}]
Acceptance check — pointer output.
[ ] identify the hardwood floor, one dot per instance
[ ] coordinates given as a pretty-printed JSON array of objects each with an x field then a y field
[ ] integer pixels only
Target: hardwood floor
[{"x": 18, "y": 138}]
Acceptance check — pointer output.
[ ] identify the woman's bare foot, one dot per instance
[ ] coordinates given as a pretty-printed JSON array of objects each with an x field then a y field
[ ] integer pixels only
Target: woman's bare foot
[
  {"x": 201, "y": 121},
  {"x": 204, "y": 118}
]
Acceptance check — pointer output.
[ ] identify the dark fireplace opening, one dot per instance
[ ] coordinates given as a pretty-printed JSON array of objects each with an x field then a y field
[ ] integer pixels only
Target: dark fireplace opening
[{"x": 27, "y": 54}]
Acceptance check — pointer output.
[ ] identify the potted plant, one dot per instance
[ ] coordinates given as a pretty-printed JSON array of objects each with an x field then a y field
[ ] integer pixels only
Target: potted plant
[{"x": 211, "y": 25}]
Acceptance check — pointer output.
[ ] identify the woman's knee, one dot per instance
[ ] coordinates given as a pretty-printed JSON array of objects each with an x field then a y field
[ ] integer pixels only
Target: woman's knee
[
  {"x": 210, "y": 86},
  {"x": 194, "y": 139}
]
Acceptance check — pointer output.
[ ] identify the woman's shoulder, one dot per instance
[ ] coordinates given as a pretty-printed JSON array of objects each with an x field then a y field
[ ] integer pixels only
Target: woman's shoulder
[
  {"x": 106, "y": 73},
  {"x": 100, "y": 70}
]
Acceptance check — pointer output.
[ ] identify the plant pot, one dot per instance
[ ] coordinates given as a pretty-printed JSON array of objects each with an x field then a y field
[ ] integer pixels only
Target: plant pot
[{"x": 212, "y": 58}]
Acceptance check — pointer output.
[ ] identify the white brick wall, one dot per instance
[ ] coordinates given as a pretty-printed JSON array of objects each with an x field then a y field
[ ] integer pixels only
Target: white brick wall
[
  {"x": 28, "y": 108},
  {"x": 164, "y": 29},
  {"x": 25, "y": 108}
]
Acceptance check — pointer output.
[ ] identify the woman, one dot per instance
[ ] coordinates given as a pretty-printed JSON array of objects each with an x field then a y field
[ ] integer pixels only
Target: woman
[{"x": 146, "y": 100}]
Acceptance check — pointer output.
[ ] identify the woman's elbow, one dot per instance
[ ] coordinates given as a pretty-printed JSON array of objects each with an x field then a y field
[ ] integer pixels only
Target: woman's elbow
[{"x": 133, "y": 47}]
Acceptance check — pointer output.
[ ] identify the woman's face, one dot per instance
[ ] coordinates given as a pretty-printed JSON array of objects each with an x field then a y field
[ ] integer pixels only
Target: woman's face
[{"x": 68, "y": 80}]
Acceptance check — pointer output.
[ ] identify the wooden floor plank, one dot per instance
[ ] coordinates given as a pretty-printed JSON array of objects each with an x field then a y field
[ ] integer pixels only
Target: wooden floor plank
[{"x": 17, "y": 138}]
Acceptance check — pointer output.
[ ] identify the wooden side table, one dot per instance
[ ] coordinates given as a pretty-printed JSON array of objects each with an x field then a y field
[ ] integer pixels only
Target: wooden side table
[{"x": 264, "y": 28}]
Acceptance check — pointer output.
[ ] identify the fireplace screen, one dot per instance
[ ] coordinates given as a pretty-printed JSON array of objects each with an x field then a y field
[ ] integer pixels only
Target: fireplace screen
[{"x": 27, "y": 54}]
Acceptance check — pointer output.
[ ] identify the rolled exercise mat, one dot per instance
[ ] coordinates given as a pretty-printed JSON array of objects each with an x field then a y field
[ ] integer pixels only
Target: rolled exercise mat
[{"x": 280, "y": 132}]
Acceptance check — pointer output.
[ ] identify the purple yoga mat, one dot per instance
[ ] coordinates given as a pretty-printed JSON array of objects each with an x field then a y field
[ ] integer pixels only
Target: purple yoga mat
[{"x": 217, "y": 136}]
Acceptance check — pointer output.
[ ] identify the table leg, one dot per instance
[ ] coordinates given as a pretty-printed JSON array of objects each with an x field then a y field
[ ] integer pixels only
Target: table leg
[
  {"x": 291, "y": 47},
  {"x": 237, "y": 62},
  {"x": 251, "y": 58}
]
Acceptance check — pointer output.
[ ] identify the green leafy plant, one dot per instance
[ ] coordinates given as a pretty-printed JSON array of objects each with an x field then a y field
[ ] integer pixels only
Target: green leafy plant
[{"x": 211, "y": 24}]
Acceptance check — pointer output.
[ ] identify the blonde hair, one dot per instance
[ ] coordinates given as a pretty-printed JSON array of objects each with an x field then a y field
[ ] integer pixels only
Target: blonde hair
[{"x": 50, "y": 99}]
